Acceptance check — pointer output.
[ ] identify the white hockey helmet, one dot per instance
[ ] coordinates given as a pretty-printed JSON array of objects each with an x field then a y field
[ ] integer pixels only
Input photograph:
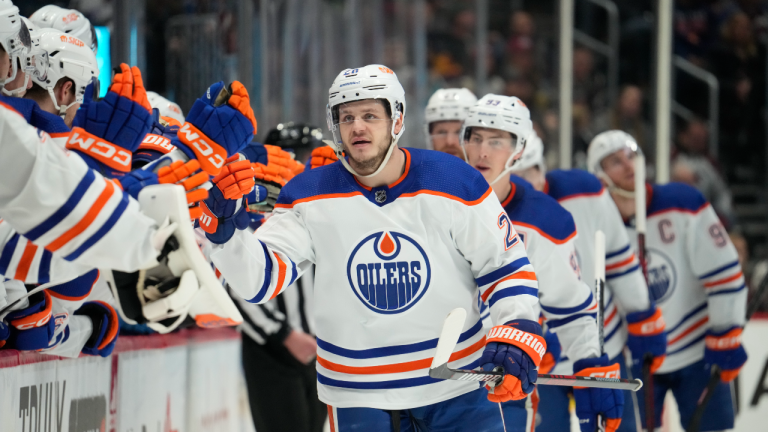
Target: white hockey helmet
[
  {"x": 27, "y": 59},
  {"x": 506, "y": 113},
  {"x": 446, "y": 105},
  {"x": 368, "y": 82},
  {"x": 70, "y": 21},
  {"x": 166, "y": 107},
  {"x": 533, "y": 155},
  {"x": 63, "y": 56},
  {"x": 604, "y": 144},
  {"x": 14, "y": 36}
]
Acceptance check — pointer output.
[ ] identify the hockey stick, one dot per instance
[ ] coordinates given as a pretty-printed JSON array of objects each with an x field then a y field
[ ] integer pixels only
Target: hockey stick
[
  {"x": 449, "y": 336},
  {"x": 9, "y": 308},
  {"x": 599, "y": 297},
  {"x": 714, "y": 378},
  {"x": 640, "y": 227}
]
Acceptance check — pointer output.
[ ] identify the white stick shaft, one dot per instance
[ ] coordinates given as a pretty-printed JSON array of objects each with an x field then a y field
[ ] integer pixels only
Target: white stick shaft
[
  {"x": 640, "y": 193},
  {"x": 449, "y": 336},
  {"x": 599, "y": 256}
]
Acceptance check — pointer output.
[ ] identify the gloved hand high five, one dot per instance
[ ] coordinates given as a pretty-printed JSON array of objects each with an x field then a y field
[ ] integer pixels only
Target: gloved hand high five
[
  {"x": 593, "y": 401},
  {"x": 322, "y": 156},
  {"x": 188, "y": 175},
  {"x": 221, "y": 215},
  {"x": 220, "y": 124},
  {"x": 107, "y": 132},
  {"x": 518, "y": 348}
]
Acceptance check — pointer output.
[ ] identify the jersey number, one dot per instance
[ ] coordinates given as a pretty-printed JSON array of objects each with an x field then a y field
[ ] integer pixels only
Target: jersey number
[{"x": 511, "y": 238}]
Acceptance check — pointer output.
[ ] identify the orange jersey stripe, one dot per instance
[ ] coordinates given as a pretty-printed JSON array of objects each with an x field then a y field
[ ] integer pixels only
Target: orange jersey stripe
[
  {"x": 525, "y": 275},
  {"x": 89, "y": 217},
  {"x": 26, "y": 262},
  {"x": 318, "y": 197},
  {"x": 405, "y": 171},
  {"x": 620, "y": 264},
  {"x": 445, "y": 195},
  {"x": 398, "y": 367},
  {"x": 281, "y": 268},
  {"x": 698, "y": 324},
  {"x": 722, "y": 281}
]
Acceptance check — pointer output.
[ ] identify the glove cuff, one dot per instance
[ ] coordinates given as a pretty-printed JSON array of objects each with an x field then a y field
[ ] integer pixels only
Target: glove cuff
[
  {"x": 590, "y": 363},
  {"x": 111, "y": 155},
  {"x": 723, "y": 341},
  {"x": 211, "y": 155},
  {"x": 530, "y": 343},
  {"x": 646, "y": 323}
]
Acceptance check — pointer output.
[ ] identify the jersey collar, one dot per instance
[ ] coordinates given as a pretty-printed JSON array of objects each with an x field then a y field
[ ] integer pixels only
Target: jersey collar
[{"x": 383, "y": 195}]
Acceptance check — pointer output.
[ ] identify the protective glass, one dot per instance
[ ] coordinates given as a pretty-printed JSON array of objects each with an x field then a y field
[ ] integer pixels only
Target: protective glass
[{"x": 496, "y": 143}]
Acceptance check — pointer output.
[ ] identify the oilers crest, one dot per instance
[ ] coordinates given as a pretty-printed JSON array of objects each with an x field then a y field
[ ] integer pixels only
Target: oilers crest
[
  {"x": 388, "y": 271},
  {"x": 662, "y": 276}
]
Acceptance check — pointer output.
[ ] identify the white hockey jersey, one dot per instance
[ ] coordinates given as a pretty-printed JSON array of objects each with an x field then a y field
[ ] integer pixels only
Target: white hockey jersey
[
  {"x": 592, "y": 208},
  {"x": 391, "y": 263},
  {"x": 548, "y": 232},
  {"x": 55, "y": 201},
  {"x": 694, "y": 274}
]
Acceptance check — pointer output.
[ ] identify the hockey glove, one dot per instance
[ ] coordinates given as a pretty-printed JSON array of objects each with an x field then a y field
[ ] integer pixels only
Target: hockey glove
[
  {"x": 593, "y": 401},
  {"x": 647, "y": 336},
  {"x": 725, "y": 350},
  {"x": 107, "y": 132},
  {"x": 220, "y": 124},
  {"x": 256, "y": 153},
  {"x": 281, "y": 158},
  {"x": 158, "y": 141},
  {"x": 269, "y": 183},
  {"x": 194, "y": 181},
  {"x": 322, "y": 156},
  {"x": 517, "y": 348},
  {"x": 236, "y": 178},
  {"x": 32, "y": 328},
  {"x": 106, "y": 327},
  {"x": 552, "y": 356},
  {"x": 5, "y": 333},
  {"x": 221, "y": 216}
]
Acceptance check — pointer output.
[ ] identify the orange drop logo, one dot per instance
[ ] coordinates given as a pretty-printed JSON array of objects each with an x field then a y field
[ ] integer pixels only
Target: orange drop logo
[{"x": 387, "y": 245}]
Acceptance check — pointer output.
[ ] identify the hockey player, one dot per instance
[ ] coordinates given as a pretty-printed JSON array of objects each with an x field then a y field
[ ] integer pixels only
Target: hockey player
[
  {"x": 396, "y": 247},
  {"x": 630, "y": 317},
  {"x": 493, "y": 138},
  {"x": 21, "y": 83},
  {"x": 693, "y": 276},
  {"x": 444, "y": 114},
  {"x": 69, "y": 21}
]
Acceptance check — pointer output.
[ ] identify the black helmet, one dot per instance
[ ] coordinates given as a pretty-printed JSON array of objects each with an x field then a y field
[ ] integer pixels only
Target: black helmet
[{"x": 294, "y": 136}]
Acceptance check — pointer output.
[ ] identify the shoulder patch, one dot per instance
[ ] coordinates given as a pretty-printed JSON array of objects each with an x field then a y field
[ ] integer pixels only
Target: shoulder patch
[
  {"x": 537, "y": 210},
  {"x": 675, "y": 196},
  {"x": 565, "y": 184}
]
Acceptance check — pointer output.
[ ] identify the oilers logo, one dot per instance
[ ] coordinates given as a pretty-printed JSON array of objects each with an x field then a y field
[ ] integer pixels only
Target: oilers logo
[
  {"x": 388, "y": 271},
  {"x": 662, "y": 277}
]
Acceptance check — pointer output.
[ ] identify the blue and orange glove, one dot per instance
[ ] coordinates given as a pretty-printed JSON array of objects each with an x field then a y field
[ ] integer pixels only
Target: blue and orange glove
[
  {"x": 593, "y": 401},
  {"x": 283, "y": 159},
  {"x": 647, "y": 335},
  {"x": 32, "y": 328},
  {"x": 724, "y": 349},
  {"x": 106, "y": 328},
  {"x": 188, "y": 175},
  {"x": 5, "y": 333},
  {"x": 157, "y": 142},
  {"x": 222, "y": 216},
  {"x": 518, "y": 348},
  {"x": 322, "y": 156},
  {"x": 219, "y": 125},
  {"x": 107, "y": 132},
  {"x": 552, "y": 356}
]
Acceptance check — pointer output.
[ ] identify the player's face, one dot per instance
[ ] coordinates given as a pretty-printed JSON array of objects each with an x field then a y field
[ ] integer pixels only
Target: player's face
[
  {"x": 365, "y": 132},
  {"x": 534, "y": 176},
  {"x": 5, "y": 65},
  {"x": 445, "y": 137},
  {"x": 488, "y": 151},
  {"x": 620, "y": 168}
]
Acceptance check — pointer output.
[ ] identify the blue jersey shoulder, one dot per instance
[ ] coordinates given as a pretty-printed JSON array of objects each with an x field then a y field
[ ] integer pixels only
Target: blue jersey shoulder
[
  {"x": 569, "y": 183},
  {"x": 678, "y": 196},
  {"x": 540, "y": 211},
  {"x": 444, "y": 173},
  {"x": 36, "y": 116},
  {"x": 324, "y": 180}
]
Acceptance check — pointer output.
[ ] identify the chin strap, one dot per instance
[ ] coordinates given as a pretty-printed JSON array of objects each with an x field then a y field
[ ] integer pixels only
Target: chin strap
[
  {"x": 19, "y": 91},
  {"x": 613, "y": 188},
  {"x": 63, "y": 108}
]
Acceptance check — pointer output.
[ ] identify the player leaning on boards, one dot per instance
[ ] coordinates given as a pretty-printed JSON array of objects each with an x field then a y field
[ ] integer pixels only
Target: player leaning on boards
[
  {"x": 631, "y": 318},
  {"x": 693, "y": 276},
  {"x": 493, "y": 139},
  {"x": 399, "y": 238}
]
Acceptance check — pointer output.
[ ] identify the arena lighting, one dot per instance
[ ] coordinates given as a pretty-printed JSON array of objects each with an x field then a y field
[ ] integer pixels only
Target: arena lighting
[{"x": 103, "y": 59}]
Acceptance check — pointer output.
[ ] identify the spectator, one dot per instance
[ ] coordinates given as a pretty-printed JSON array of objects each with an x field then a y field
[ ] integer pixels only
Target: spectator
[
  {"x": 588, "y": 86},
  {"x": 694, "y": 30},
  {"x": 739, "y": 64},
  {"x": 692, "y": 164},
  {"x": 627, "y": 115}
]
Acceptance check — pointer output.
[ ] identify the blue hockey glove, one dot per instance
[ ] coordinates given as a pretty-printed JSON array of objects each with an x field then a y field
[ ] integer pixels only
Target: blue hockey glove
[
  {"x": 518, "y": 348},
  {"x": 133, "y": 182},
  {"x": 593, "y": 401},
  {"x": 552, "y": 356},
  {"x": 647, "y": 336},
  {"x": 5, "y": 333},
  {"x": 106, "y": 328},
  {"x": 256, "y": 153},
  {"x": 221, "y": 216},
  {"x": 724, "y": 349},
  {"x": 107, "y": 132},
  {"x": 157, "y": 142},
  {"x": 220, "y": 124},
  {"x": 32, "y": 327}
]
